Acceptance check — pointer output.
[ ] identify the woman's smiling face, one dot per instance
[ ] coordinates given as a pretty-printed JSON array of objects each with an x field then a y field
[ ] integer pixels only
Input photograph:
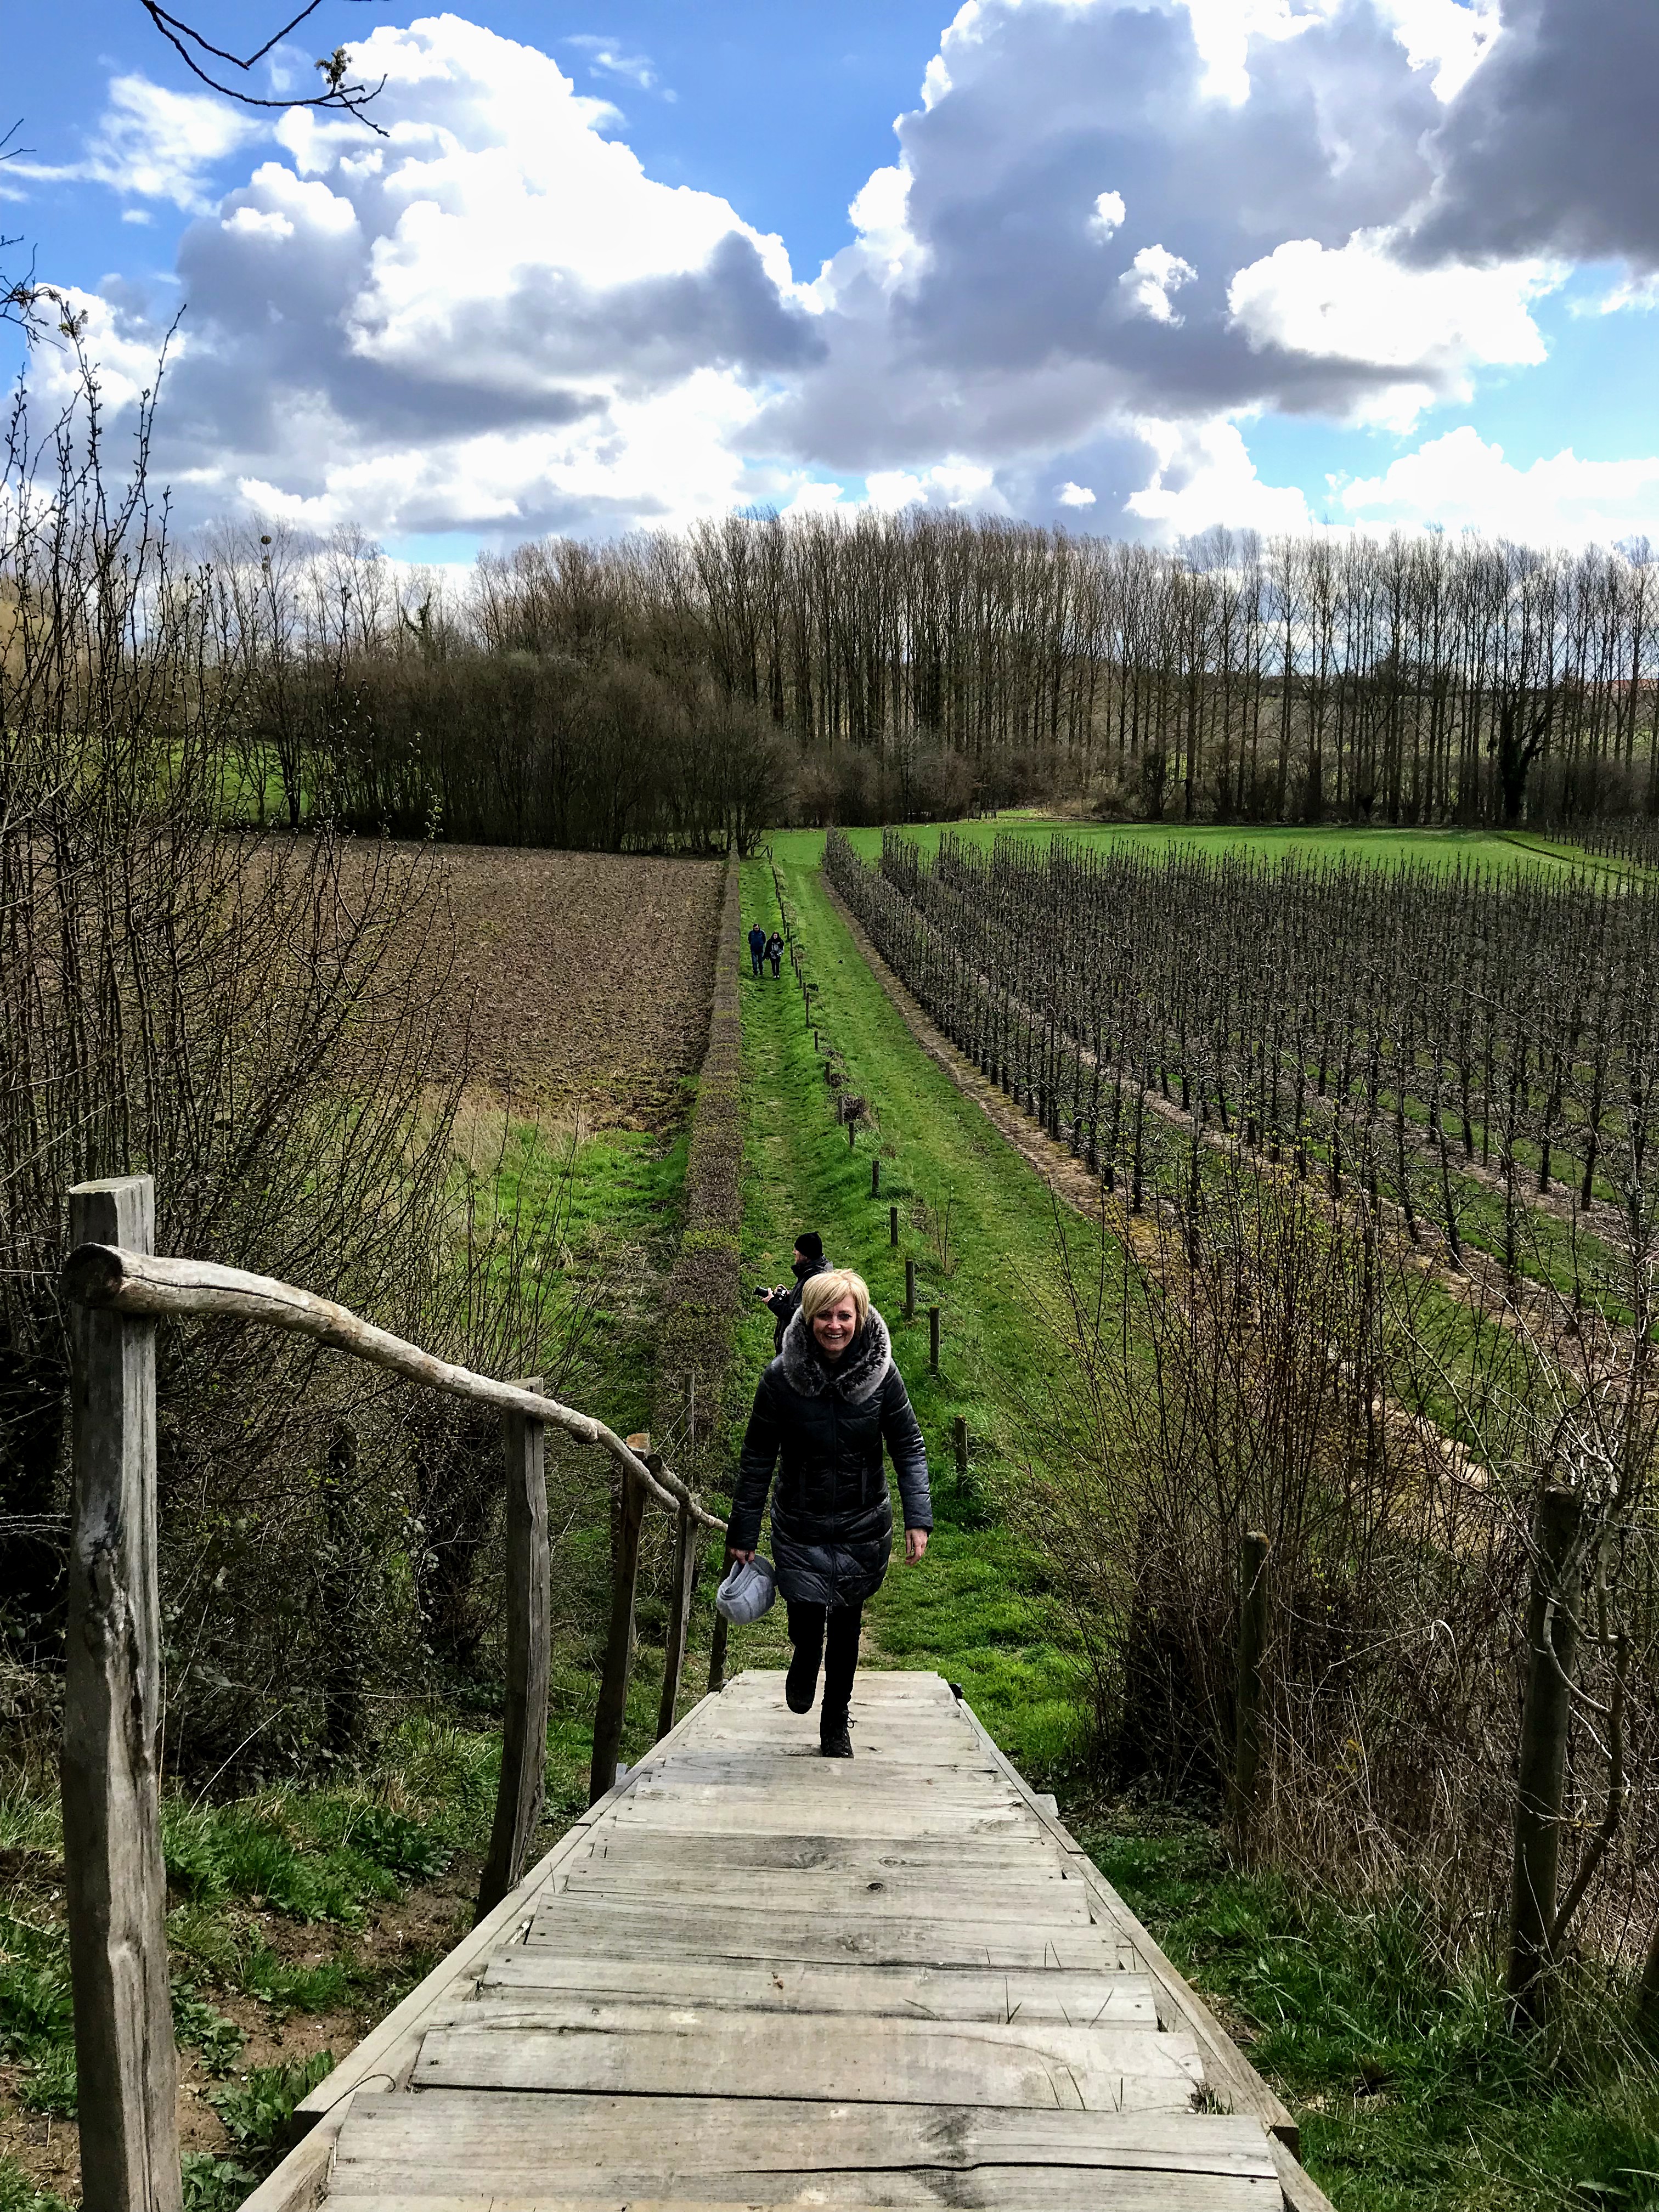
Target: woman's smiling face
[{"x": 835, "y": 1326}]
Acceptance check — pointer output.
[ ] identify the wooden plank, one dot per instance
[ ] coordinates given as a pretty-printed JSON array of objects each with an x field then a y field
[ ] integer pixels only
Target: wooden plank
[
  {"x": 1232, "y": 2075},
  {"x": 1302, "y": 2192},
  {"x": 747, "y": 1813},
  {"x": 970, "y": 1893},
  {"x": 508, "y": 2143},
  {"x": 785, "y": 1985},
  {"x": 623, "y": 1930},
  {"x": 125, "y": 2060},
  {"x": 689, "y": 1849},
  {"x": 1018, "y": 2189},
  {"x": 387, "y": 2052},
  {"x": 655, "y": 2052},
  {"x": 523, "y": 1724}
]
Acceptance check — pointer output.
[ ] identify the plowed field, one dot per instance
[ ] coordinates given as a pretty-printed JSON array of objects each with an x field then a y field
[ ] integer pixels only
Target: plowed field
[{"x": 588, "y": 975}]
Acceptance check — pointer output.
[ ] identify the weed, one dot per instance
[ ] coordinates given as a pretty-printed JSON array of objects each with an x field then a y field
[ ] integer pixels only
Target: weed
[
  {"x": 257, "y": 2110},
  {"x": 19, "y": 2194}
]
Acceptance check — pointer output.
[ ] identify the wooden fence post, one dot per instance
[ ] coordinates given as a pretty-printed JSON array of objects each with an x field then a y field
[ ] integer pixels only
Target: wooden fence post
[
  {"x": 679, "y": 1621},
  {"x": 875, "y": 1177},
  {"x": 909, "y": 1290},
  {"x": 717, "y": 1655},
  {"x": 524, "y": 1723},
  {"x": 959, "y": 1438},
  {"x": 1247, "y": 1693},
  {"x": 892, "y": 1225},
  {"x": 612, "y": 1707},
  {"x": 126, "y": 2063},
  {"x": 1552, "y": 1605},
  {"x": 932, "y": 1338}
]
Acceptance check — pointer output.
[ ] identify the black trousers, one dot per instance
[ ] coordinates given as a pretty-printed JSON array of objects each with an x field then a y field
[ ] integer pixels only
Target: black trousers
[{"x": 829, "y": 1632}]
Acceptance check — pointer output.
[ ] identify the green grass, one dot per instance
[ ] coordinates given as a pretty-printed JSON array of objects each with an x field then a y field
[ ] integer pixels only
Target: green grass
[
  {"x": 1411, "y": 2090},
  {"x": 1390, "y": 849},
  {"x": 977, "y": 1609}
]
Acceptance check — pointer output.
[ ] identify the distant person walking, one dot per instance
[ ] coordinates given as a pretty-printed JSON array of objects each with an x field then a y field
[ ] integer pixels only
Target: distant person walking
[
  {"x": 822, "y": 1412},
  {"x": 774, "y": 952},
  {"x": 757, "y": 949},
  {"x": 785, "y": 1301}
]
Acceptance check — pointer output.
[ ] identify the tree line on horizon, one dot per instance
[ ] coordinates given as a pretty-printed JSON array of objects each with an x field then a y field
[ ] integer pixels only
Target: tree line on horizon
[
  {"x": 678, "y": 687},
  {"x": 682, "y": 690}
]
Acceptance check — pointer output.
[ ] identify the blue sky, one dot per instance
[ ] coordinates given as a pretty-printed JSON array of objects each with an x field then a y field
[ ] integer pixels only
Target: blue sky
[{"x": 1139, "y": 267}]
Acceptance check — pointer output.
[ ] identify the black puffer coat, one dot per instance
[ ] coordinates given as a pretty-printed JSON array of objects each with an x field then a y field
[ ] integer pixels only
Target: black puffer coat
[{"x": 823, "y": 1428}]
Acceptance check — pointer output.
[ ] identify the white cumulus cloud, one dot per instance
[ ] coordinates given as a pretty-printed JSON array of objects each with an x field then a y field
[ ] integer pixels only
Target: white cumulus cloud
[
  {"x": 1151, "y": 280},
  {"x": 153, "y": 144},
  {"x": 1461, "y": 480}
]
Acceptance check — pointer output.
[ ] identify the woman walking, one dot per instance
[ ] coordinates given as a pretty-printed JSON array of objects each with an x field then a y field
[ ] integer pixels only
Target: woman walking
[{"x": 821, "y": 1411}]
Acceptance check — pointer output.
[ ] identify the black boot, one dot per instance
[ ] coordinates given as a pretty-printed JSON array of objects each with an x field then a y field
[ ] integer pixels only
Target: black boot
[
  {"x": 834, "y": 1735},
  {"x": 800, "y": 1684}
]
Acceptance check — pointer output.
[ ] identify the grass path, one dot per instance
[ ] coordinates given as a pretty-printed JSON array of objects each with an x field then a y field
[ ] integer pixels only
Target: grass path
[{"x": 976, "y": 1608}]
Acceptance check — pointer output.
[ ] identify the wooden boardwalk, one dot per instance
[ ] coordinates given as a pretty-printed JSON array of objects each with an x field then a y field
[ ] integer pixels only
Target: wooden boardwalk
[{"x": 751, "y": 1976}]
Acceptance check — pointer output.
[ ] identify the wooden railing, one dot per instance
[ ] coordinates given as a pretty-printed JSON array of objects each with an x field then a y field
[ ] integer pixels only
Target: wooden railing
[{"x": 117, "y": 1288}]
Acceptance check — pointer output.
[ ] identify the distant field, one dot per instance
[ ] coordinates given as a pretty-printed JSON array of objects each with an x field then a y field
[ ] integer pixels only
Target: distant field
[
  {"x": 1382, "y": 848},
  {"x": 588, "y": 975}
]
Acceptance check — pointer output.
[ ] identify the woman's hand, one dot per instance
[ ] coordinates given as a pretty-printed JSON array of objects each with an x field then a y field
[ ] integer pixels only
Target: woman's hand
[
  {"x": 915, "y": 1543},
  {"x": 746, "y": 1556}
]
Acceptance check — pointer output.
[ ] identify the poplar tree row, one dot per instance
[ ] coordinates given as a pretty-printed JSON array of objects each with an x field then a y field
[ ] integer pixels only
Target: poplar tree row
[
  {"x": 921, "y": 662},
  {"x": 1478, "y": 1049}
]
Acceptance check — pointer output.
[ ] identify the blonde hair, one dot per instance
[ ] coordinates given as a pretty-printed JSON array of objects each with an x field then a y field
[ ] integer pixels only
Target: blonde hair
[{"x": 828, "y": 1289}]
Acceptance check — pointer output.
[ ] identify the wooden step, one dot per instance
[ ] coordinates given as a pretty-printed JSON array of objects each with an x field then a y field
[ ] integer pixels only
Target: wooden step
[
  {"x": 460, "y": 2147},
  {"x": 1078, "y": 2000}
]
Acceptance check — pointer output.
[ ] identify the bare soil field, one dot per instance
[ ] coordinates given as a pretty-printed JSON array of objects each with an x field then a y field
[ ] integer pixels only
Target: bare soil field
[{"x": 588, "y": 975}]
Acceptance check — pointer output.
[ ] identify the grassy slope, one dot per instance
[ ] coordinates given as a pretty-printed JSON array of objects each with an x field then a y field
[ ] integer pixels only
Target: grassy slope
[{"x": 1414, "y": 2092}]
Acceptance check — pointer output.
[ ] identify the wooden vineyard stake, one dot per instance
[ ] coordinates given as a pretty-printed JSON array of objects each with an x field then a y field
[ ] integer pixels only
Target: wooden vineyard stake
[
  {"x": 909, "y": 1290},
  {"x": 892, "y": 1225},
  {"x": 524, "y": 1725},
  {"x": 679, "y": 1621},
  {"x": 932, "y": 1338},
  {"x": 1552, "y": 1643},
  {"x": 126, "y": 2063},
  {"x": 1247, "y": 1695},
  {"x": 619, "y": 1643}
]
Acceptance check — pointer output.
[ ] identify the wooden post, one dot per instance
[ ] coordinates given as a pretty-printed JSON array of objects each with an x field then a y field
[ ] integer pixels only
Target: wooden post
[
  {"x": 909, "y": 1290},
  {"x": 932, "y": 1338},
  {"x": 959, "y": 1438},
  {"x": 612, "y": 1707},
  {"x": 717, "y": 1655},
  {"x": 126, "y": 2063},
  {"x": 852, "y": 1131},
  {"x": 523, "y": 1724},
  {"x": 679, "y": 1621},
  {"x": 892, "y": 1225},
  {"x": 1247, "y": 1692},
  {"x": 1545, "y": 1707},
  {"x": 875, "y": 1177}
]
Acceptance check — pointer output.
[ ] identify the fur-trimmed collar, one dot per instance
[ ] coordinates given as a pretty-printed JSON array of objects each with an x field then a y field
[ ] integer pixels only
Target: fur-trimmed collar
[{"x": 859, "y": 1373}]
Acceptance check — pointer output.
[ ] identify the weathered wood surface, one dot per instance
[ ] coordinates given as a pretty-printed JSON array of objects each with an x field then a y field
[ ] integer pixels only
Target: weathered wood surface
[
  {"x": 523, "y": 1726},
  {"x": 702, "y": 1997},
  {"x": 126, "y": 2062},
  {"x": 788, "y": 1985}
]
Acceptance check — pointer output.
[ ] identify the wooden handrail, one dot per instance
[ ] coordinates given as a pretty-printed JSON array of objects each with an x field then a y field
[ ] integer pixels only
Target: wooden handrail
[
  {"x": 106, "y": 1278},
  {"x": 117, "y": 1290}
]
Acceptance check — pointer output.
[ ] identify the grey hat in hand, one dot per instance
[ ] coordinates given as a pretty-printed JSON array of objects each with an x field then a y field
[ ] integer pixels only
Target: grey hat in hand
[{"x": 748, "y": 1590}]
